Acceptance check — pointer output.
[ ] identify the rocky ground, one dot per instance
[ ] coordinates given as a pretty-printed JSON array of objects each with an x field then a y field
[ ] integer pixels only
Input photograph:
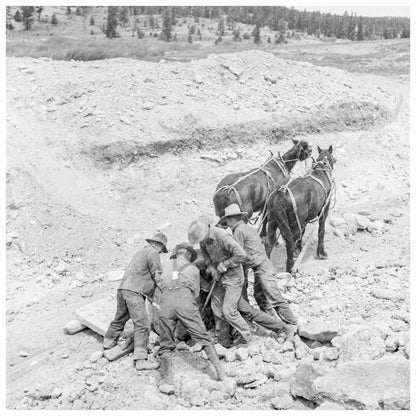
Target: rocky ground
[{"x": 101, "y": 154}]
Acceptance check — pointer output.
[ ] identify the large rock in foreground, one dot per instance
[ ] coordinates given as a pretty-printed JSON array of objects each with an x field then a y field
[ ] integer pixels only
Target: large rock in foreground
[
  {"x": 318, "y": 331},
  {"x": 379, "y": 384},
  {"x": 361, "y": 344}
]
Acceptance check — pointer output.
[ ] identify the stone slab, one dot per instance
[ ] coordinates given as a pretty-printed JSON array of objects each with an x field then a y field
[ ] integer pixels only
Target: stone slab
[{"x": 99, "y": 314}]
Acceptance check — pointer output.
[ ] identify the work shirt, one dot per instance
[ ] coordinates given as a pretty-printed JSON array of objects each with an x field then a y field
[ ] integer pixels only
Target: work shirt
[
  {"x": 186, "y": 276},
  {"x": 219, "y": 247},
  {"x": 248, "y": 238},
  {"x": 140, "y": 275}
]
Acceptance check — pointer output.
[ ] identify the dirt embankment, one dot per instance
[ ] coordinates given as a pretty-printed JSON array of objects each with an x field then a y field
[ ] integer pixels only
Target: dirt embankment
[
  {"x": 69, "y": 222},
  {"x": 120, "y": 110}
]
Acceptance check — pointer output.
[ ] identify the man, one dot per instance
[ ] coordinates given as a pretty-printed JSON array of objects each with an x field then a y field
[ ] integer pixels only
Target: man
[
  {"x": 138, "y": 283},
  {"x": 223, "y": 257},
  {"x": 248, "y": 312},
  {"x": 180, "y": 287},
  {"x": 266, "y": 290}
]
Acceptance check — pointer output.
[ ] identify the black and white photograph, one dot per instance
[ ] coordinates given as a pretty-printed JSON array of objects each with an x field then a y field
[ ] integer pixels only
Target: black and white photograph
[{"x": 207, "y": 206}]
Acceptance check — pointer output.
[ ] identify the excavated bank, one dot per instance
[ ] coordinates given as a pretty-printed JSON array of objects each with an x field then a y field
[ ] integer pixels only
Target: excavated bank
[{"x": 346, "y": 116}]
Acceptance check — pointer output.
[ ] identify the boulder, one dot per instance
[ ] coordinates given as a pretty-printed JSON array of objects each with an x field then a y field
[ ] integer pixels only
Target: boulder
[
  {"x": 241, "y": 354},
  {"x": 74, "y": 326},
  {"x": 392, "y": 343},
  {"x": 322, "y": 331},
  {"x": 330, "y": 354},
  {"x": 337, "y": 221},
  {"x": 230, "y": 356},
  {"x": 380, "y": 384},
  {"x": 283, "y": 402},
  {"x": 330, "y": 406},
  {"x": 362, "y": 222},
  {"x": 166, "y": 389},
  {"x": 361, "y": 344},
  {"x": 302, "y": 384}
]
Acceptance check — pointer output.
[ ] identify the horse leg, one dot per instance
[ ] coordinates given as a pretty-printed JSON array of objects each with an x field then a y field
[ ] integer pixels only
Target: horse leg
[{"x": 321, "y": 253}]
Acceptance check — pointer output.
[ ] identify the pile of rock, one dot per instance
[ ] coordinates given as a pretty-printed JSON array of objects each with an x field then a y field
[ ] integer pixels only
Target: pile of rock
[{"x": 350, "y": 223}]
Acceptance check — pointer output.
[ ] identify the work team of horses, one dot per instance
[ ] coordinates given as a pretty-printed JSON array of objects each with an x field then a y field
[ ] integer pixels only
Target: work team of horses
[{"x": 285, "y": 203}]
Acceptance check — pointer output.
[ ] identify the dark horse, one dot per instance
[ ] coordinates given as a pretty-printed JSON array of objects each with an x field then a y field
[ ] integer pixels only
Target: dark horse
[
  {"x": 251, "y": 189},
  {"x": 309, "y": 196}
]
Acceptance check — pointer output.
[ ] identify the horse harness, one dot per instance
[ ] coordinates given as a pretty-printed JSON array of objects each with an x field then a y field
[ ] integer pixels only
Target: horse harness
[
  {"x": 269, "y": 179},
  {"x": 285, "y": 188}
]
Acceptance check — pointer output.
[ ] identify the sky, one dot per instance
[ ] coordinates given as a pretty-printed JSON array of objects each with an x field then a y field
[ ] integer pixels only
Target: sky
[{"x": 374, "y": 11}]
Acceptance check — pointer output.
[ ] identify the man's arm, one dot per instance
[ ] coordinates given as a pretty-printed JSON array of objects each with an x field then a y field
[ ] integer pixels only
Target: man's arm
[
  {"x": 155, "y": 266},
  {"x": 238, "y": 255}
]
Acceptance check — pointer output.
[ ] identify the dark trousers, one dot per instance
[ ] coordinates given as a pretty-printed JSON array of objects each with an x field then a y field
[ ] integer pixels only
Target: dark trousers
[
  {"x": 130, "y": 305},
  {"x": 259, "y": 317},
  {"x": 267, "y": 292},
  {"x": 224, "y": 303},
  {"x": 179, "y": 305}
]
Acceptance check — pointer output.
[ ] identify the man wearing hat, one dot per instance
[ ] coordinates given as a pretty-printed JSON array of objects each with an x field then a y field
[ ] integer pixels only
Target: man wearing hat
[
  {"x": 138, "y": 283},
  {"x": 266, "y": 290},
  {"x": 223, "y": 256},
  {"x": 180, "y": 286}
]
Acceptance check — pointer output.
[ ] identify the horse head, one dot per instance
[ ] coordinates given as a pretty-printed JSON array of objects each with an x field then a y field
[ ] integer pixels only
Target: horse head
[
  {"x": 326, "y": 156},
  {"x": 302, "y": 148}
]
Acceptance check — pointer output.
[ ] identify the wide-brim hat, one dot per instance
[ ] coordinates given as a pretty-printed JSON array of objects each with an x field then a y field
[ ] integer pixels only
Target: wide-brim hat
[
  {"x": 209, "y": 219},
  {"x": 159, "y": 238},
  {"x": 233, "y": 210},
  {"x": 188, "y": 247},
  {"x": 197, "y": 231}
]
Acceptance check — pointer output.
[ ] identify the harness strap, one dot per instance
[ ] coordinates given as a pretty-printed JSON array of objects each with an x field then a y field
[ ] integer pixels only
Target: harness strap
[{"x": 320, "y": 183}]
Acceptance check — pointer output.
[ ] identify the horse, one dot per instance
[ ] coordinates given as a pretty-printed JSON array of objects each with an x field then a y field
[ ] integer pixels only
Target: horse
[
  {"x": 251, "y": 189},
  {"x": 299, "y": 202}
]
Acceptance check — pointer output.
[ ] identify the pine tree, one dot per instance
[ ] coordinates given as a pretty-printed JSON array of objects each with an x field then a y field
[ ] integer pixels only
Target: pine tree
[
  {"x": 78, "y": 11},
  {"x": 198, "y": 33},
  {"x": 221, "y": 27},
  {"x": 54, "y": 19},
  {"x": 92, "y": 21},
  {"x": 123, "y": 15},
  {"x": 189, "y": 36},
  {"x": 68, "y": 11},
  {"x": 256, "y": 33},
  {"x": 39, "y": 10},
  {"x": 167, "y": 25},
  {"x": 27, "y": 16},
  {"x": 112, "y": 22},
  {"x": 360, "y": 31},
  {"x": 151, "y": 22},
  {"x": 405, "y": 33},
  {"x": 17, "y": 16},
  {"x": 282, "y": 28}
]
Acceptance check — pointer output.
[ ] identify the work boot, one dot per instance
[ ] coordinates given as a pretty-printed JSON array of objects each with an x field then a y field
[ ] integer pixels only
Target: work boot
[
  {"x": 146, "y": 365},
  {"x": 241, "y": 342},
  {"x": 165, "y": 367},
  {"x": 290, "y": 331},
  {"x": 213, "y": 357},
  {"x": 109, "y": 343}
]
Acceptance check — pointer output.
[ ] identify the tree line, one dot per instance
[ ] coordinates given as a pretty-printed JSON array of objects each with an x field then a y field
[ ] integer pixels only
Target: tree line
[{"x": 277, "y": 18}]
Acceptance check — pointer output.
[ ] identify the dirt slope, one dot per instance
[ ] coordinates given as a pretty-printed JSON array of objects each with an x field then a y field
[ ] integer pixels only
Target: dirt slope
[{"x": 63, "y": 206}]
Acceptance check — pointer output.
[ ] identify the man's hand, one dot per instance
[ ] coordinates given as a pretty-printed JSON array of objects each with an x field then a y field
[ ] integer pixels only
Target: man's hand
[
  {"x": 213, "y": 272},
  {"x": 221, "y": 268}
]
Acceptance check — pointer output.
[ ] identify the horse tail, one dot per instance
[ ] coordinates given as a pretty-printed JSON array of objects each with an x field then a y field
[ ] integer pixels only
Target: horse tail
[{"x": 278, "y": 218}]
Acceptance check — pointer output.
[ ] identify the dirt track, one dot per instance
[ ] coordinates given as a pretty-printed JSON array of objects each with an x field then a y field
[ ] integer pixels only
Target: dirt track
[{"x": 61, "y": 206}]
